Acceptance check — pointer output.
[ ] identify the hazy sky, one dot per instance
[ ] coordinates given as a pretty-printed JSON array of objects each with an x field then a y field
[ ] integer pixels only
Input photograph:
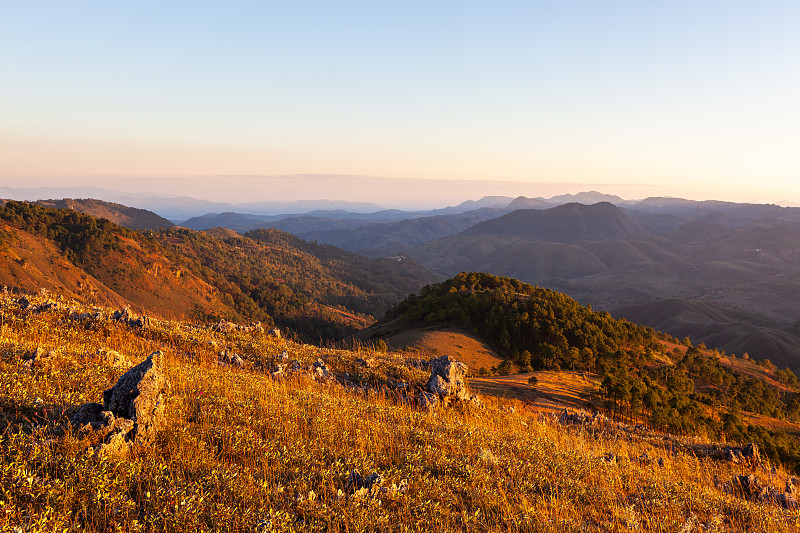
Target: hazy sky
[{"x": 693, "y": 99}]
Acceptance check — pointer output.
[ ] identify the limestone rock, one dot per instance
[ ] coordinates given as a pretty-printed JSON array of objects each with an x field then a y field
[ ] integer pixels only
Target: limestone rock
[
  {"x": 427, "y": 401},
  {"x": 132, "y": 411},
  {"x": 448, "y": 379}
]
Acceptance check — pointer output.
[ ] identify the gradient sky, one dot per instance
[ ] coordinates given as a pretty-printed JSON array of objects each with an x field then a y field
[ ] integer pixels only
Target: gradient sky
[{"x": 693, "y": 99}]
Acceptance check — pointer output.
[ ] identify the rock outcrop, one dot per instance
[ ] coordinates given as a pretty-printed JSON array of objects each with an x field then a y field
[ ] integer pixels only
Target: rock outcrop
[
  {"x": 126, "y": 316},
  {"x": 447, "y": 384},
  {"x": 132, "y": 411}
]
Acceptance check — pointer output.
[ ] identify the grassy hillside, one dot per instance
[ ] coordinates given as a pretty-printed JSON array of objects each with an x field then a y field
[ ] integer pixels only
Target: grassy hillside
[{"x": 243, "y": 452}]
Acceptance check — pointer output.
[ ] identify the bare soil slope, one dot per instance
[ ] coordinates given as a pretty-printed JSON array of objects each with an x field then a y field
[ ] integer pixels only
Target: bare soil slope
[{"x": 457, "y": 343}]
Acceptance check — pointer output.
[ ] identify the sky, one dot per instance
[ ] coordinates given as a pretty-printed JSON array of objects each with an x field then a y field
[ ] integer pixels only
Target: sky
[{"x": 430, "y": 102}]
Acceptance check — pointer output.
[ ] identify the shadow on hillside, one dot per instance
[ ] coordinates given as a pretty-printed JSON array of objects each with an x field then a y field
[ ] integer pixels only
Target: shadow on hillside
[{"x": 33, "y": 414}]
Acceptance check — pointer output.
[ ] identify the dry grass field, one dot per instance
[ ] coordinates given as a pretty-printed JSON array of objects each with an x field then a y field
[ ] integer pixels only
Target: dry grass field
[{"x": 243, "y": 452}]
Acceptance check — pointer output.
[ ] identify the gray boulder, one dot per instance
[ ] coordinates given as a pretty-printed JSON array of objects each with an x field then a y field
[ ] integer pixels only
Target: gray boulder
[
  {"x": 427, "y": 401},
  {"x": 132, "y": 411},
  {"x": 448, "y": 379}
]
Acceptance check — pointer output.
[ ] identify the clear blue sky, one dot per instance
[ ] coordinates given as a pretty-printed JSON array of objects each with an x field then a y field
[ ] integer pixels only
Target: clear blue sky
[{"x": 694, "y": 99}]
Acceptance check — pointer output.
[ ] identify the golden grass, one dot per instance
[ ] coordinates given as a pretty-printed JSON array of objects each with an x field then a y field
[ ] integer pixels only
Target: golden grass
[
  {"x": 552, "y": 393},
  {"x": 244, "y": 453}
]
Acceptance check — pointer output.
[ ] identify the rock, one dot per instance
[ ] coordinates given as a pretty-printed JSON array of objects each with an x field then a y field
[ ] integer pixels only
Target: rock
[
  {"x": 132, "y": 411},
  {"x": 226, "y": 358},
  {"x": 366, "y": 363},
  {"x": 88, "y": 414},
  {"x": 320, "y": 370},
  {"x": 355, "y": 481},
  {"x": 127, "y": 317},
  {"x": 448, "y": 379},
  {"x": 224, "y": 326},
  {"x": 48, "y": 306},
  {"x": 274, "y": 332},
  {"x": 139, "y": 396},
  {"x": 114, "y": 358},
  {"x": 36, "y": 357},
  {"x": 284, "y": 356},
  {"x": 787, "y": 501},
  {"x": 24, "y": 303},
  {"x": 748, "y": 453},
  {"x": 748, "y": 486},
  {"x": 427, "y": 401},
  {"x": 581, "y": 418}
]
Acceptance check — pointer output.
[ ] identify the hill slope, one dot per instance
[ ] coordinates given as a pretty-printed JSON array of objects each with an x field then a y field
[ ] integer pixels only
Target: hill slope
[
  {"x": 568, "y": 223},
  {"x": 241, "y": 451},
  {"x": 633, "y": 258},
  {"x": 640, "y": 374},
  {"x": 269, "y": 275},
  {"x": 121, "y": 215}
]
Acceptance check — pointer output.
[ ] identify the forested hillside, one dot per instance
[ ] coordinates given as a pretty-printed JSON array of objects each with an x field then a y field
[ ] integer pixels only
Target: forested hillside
[
  {"x": 681, "y": 389},
  {"x": 270, "y": 276}
]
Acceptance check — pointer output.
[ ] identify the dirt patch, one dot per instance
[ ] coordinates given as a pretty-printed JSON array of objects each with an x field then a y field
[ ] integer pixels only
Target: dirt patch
[{"x": 459, "y": 344}]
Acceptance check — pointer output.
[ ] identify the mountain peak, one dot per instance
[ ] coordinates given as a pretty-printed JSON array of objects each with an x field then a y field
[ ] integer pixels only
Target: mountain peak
[{"x": 567, "y": 223}]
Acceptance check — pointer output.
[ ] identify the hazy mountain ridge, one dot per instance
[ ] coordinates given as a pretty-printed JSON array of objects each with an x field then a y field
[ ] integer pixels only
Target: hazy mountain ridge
[{"x": 747, "y": 263}]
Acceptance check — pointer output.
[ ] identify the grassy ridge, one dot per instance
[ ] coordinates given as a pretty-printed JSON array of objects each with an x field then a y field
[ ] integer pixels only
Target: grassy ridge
[{"x": 244, "y": 453}]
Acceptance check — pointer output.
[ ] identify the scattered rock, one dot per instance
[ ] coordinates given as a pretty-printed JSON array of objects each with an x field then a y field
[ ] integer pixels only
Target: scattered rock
[
  {"x": 114, "y": 358},
  {"x": 224, "y": 326},
  {"x": 356, "y": 482},
  {"x": 581, "y": 418},
  {"x": 37, "y": 357},
  {"x": 320, "y": 370},
  {"x": 228, "y": 358},
  {"x": 366, "y": 363},
  {"x": 132, "y": 411},
  {"x": 750, "y": 488},
  {"x": 127, "y": 317}
]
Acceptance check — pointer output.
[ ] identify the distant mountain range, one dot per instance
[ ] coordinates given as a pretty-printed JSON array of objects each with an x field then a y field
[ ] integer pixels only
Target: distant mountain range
[{"x": 724, "y": 273}]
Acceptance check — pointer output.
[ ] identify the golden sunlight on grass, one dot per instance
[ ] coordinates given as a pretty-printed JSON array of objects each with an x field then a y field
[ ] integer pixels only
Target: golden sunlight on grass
[{"x": 244, "y": 452}]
